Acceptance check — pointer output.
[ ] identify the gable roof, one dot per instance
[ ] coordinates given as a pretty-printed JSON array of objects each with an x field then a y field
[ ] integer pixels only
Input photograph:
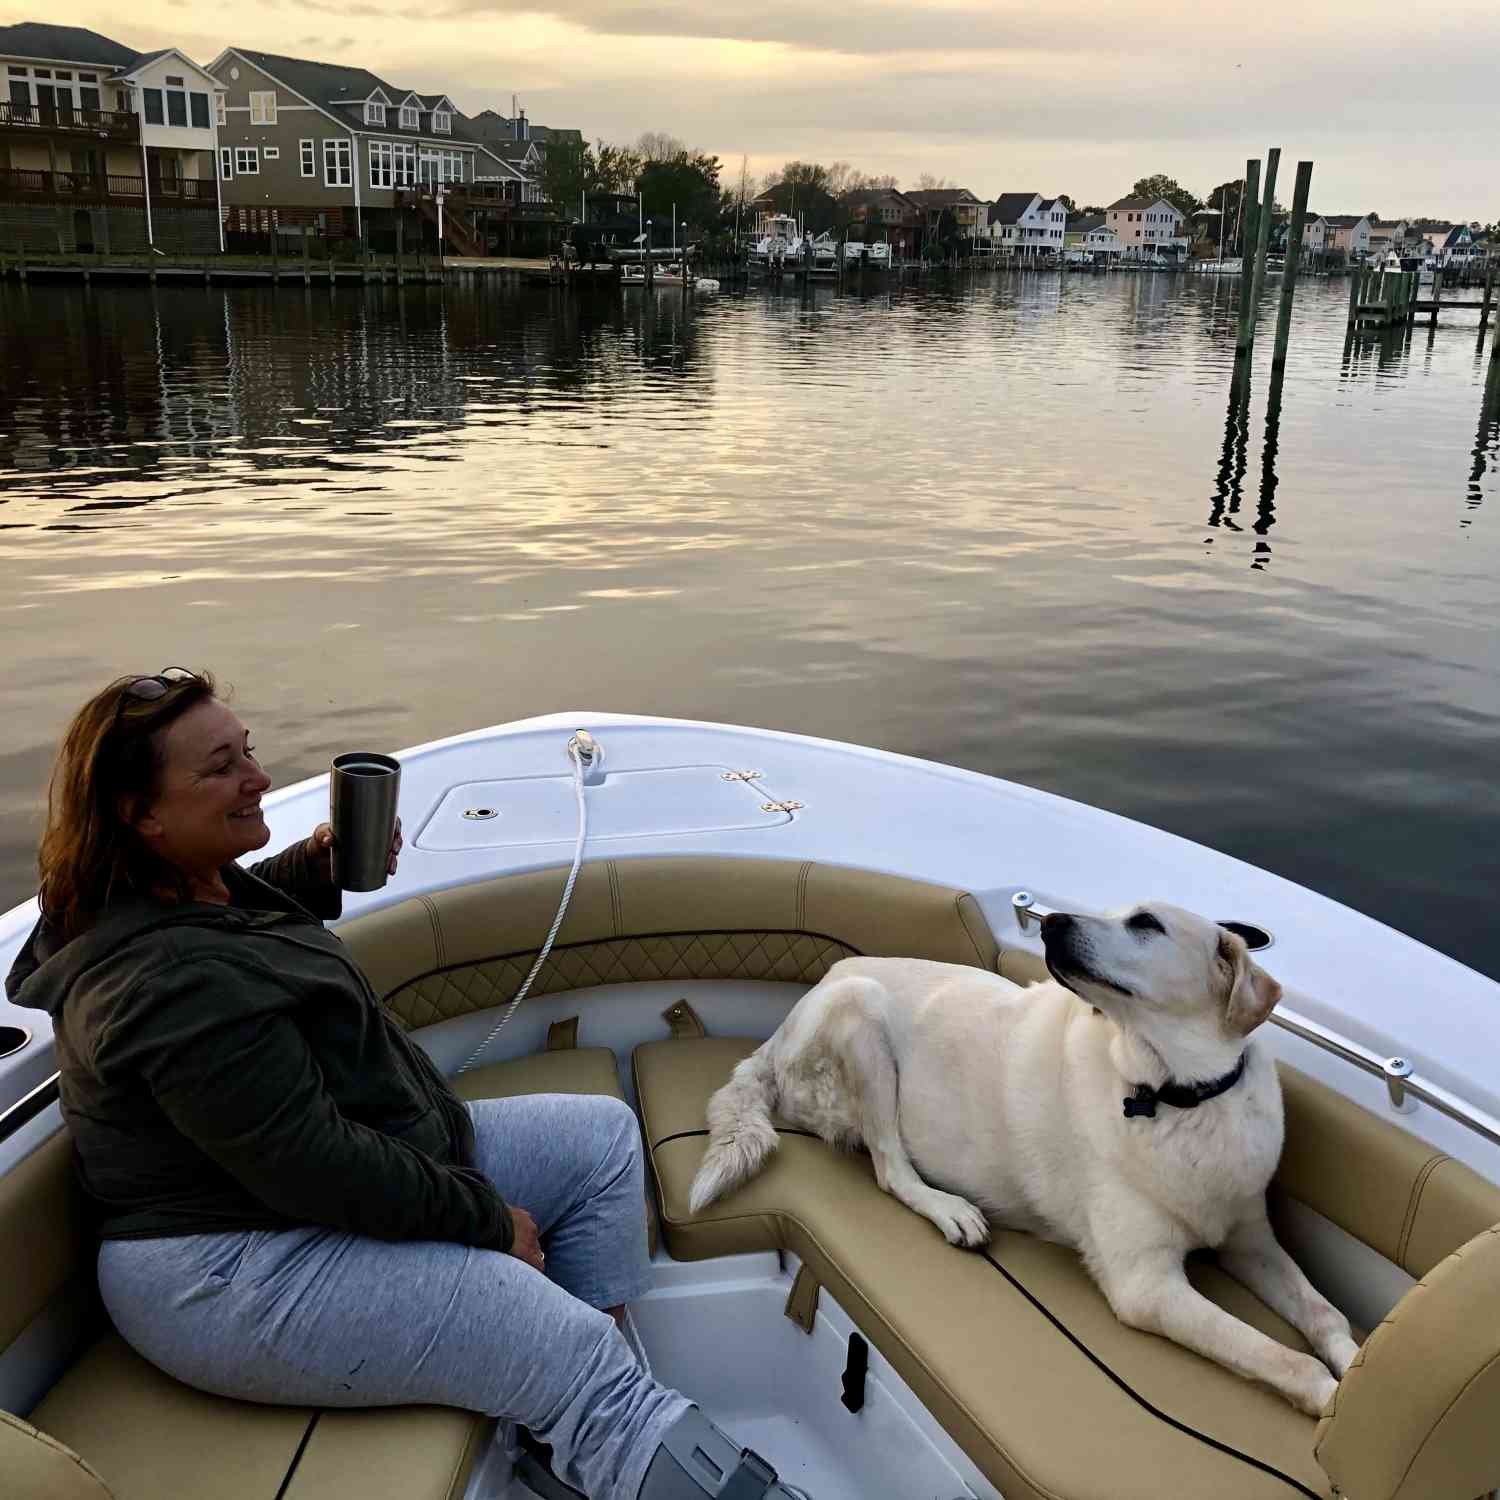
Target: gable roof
[
  {"x": 1008, "y": 207},
  {"x": 1346, "y": 221},
  {"x": 74, "y": 44},
  {"x": 1134, "y": 204},
  {"x": 1090, "y": 223},
  {"x": 940, "y": 197},
  {"x": 1457, "y": 235},
  {"x": 341, "y": 91}
]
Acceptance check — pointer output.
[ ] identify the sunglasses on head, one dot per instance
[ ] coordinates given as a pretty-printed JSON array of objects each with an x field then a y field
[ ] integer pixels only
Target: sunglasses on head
[{"x": 158, "y": 685}]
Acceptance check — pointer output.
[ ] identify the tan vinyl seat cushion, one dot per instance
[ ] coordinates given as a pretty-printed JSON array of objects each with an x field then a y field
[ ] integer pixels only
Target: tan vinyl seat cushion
[
  {"x": 151, "y": 1437},
  {"x": 1016, "y": 1353}
]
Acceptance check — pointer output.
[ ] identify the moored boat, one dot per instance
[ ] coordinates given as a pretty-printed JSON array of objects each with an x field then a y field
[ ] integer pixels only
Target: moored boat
[{"x": 723, "y": 871}]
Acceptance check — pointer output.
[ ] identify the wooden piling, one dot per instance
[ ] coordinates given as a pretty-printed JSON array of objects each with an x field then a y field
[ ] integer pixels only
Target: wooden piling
[
  {"x": 1437, "y": 296},
  {"x": 1293, "y": 256},
  {"x": 1356, "y": 287},
  {"x": 1250, "y": 212},
  {"x": 307, "y": 254},
  {"x": 275, "y": 257},
  {"x": 1489, "y": 297},
  {"x": 1263, "y": 235}
]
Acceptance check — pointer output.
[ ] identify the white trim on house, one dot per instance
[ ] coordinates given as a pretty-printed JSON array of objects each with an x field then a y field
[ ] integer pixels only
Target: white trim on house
[
  {"x": 411, "y": 105},
  {"x": 226, "y": 163},
  {"x": 262, "y": 106},
  {"x": 307, "y": 156},
  {"x": 338, "y": 161},
  {"x": 246, "y": 161}
]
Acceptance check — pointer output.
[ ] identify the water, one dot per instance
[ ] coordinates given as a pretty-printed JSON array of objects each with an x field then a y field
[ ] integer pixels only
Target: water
[{"x": 1016, "y": 524}]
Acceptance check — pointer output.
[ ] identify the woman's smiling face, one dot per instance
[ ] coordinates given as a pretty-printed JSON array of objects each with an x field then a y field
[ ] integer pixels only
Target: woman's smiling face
[{"x": 206, "y": 811}]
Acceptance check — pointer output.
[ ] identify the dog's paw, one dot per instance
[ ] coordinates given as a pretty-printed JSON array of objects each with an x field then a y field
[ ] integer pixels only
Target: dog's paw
[
  {"x": 1314, "y": 1391},
  {"x": 1340, "y": 1354},
  {"x": 960, "y": 1221}
]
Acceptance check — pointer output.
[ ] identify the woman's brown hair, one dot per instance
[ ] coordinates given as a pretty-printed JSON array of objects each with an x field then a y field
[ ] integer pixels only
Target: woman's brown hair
[{"x": 110, "y": 760}]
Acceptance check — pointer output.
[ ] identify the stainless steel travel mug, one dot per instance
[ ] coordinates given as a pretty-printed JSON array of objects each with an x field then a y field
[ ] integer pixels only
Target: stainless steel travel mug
[{"x": 362, "y": 791}]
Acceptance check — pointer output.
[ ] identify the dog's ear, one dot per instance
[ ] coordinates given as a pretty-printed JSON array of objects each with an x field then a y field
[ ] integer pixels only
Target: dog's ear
[{"x": 1252, "y": 992}]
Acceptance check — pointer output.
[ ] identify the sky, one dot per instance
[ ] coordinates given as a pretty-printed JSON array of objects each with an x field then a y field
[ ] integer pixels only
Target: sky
[{"x": 1071, "y": 96}]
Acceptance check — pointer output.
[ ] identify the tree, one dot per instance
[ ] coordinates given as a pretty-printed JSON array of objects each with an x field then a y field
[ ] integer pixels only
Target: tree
[
  {"x": 690, "y": 181},
  {"x": 1162, "y": 186},
  {"x": 565, "y": 175},
  {"x": 927, "y": 183},
  {"x": 616, "y": 169},
  {"x": 658, "y": 145}
]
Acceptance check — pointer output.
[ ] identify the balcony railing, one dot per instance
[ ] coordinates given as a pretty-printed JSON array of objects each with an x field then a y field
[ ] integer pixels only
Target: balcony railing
[
  {"x": 22, "y": 184},
  {"x": 66, "y": 119}
]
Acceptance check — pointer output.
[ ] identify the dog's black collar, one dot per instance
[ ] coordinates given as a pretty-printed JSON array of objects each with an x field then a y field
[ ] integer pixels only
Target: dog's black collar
[{"x": 1180, "y": 1095}]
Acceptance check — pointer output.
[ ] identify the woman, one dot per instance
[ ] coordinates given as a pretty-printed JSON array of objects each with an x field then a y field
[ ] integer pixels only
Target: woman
[{"x": 294, "y": 1205}]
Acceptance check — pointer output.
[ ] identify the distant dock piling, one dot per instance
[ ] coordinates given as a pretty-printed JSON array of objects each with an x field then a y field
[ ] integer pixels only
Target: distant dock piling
[{"x": 1263, "y": 235}]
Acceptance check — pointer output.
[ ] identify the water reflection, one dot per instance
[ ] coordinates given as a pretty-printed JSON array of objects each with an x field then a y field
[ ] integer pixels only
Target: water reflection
[{"x": 403, "y": 512}]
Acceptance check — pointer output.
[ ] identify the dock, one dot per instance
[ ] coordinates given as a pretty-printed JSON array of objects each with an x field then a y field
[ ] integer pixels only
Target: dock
[
  {"x": 207, "y": 269},
  {"x": 1386, "y": 298}
]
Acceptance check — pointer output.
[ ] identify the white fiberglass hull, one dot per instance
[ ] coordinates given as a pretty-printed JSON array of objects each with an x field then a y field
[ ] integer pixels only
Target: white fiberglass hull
[{"x": 664, "y": 792}]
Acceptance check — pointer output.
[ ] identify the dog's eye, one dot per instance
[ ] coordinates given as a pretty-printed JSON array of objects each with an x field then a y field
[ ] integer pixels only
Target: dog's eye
[{"x": 1145, "y": 921}]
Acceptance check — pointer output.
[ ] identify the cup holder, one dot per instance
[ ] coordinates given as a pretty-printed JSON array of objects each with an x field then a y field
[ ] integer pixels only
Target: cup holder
[
  {"x": 12, "y": 1039},
  {"x": 1255, "y": 937}
]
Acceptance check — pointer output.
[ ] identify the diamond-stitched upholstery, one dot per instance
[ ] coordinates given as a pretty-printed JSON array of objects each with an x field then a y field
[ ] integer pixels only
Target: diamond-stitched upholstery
[
  {"x": 653, "y": 919},
  {"x": 789, "y": 957}
]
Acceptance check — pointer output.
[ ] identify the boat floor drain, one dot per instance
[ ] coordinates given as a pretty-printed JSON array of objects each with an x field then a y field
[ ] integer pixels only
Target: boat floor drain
[{"x": 479, "y": 814}]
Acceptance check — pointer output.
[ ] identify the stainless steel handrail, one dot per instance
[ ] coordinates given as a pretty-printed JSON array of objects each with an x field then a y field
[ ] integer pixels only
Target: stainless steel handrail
[
  {"x": 29, "y": 1106},
  {"x": 1401, "y": 1081}
]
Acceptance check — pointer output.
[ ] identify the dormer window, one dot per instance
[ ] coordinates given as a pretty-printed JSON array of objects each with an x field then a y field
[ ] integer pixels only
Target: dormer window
[
  {"x": 374, "y": 112},
  {"x": 442, "y": 122},
  {"x": 411, "y": 117}
]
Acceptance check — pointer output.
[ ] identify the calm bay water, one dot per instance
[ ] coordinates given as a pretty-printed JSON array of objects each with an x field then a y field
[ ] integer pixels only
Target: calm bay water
[{"x": 1017, "y": 524}]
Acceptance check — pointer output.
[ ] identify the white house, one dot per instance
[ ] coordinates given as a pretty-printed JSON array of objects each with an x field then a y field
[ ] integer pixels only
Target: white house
[
  {"x": 1092, "y": 239},
  {"x": 1147, "y": 226},
  {"x": 1028, "y": 225}
]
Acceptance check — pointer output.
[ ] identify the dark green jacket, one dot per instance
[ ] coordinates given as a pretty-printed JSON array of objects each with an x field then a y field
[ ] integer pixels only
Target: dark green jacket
[{"x": 228, "y": 1067}]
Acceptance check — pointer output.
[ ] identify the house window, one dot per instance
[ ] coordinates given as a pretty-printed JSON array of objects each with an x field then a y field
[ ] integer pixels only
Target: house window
[
  {"x": 262, "y": 106},
  {"x": 273, "y": 153},
  {"x": 89, "y": 98},
  {"x": 247, "y": 160},
  {"x": 199, "y": 107},
  {"x": 177, "y": 113},
  {"x": 411, "y": 118},
  {"x": 226, "y": 163},
  {"x": 155, "y": 113},
  {"x": 380, "y": 164},
  {"x": 404, "y": 164},
  {"x": 374, "y": 112},
  {"x": 309, "y": 158},
  {"x": 442, "y": 122},
  {"x": 338, "y": 170},
  {"x": 220, "y": 117}
]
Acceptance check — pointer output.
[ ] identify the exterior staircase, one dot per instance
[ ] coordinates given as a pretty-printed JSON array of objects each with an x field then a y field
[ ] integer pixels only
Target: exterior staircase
[{"x": 458, "y": 237}]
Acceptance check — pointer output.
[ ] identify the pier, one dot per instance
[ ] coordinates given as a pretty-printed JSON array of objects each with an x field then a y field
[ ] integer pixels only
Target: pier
[{"x": 1385, "y": 298}]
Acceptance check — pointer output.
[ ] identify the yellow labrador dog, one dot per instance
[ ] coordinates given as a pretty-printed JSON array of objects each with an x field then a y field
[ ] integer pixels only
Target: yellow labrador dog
[{"x": 1120, "y": 1110}]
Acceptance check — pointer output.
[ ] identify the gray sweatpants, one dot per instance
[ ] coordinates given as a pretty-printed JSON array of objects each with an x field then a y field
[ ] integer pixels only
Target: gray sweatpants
[{"x": 320, "y": 1317}]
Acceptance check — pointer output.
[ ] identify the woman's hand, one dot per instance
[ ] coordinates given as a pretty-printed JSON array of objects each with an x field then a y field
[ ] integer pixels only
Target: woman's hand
[
  {"x": 320, "y": 850},
  {"x": 524, "y": 1243}
]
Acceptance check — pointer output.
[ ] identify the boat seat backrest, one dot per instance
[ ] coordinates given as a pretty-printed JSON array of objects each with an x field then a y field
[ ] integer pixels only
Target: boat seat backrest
[
  {"x": 468, "y": 949},
  {"x": 45, "y": 1238}
]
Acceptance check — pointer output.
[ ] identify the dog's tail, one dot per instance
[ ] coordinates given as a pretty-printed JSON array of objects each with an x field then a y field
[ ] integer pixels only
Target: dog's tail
[{"x": 740, "y": 1133}]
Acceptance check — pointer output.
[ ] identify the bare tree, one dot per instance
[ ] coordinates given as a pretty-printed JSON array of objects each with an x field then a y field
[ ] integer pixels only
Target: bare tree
[
  {"x": 658, "y": 145},
  {"x": 927, "y": 183}
]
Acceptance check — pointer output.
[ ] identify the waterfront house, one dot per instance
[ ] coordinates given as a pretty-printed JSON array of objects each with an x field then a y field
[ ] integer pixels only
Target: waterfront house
[
  {"x": 521, "y": 145},
  {"x": 327, "y": 150},
  {"x": 1090, "y": 238},
  {"x": 1349, "y": 234},
  {"x": 899, "y": 217},
  {"x": 971, "y": 215},
  {"x": 1458, "y": 248},
  {"x": 1027, "y": 226},
  {"x": 103, "y": 147},
  {"x": 1146, "y": 227}
]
